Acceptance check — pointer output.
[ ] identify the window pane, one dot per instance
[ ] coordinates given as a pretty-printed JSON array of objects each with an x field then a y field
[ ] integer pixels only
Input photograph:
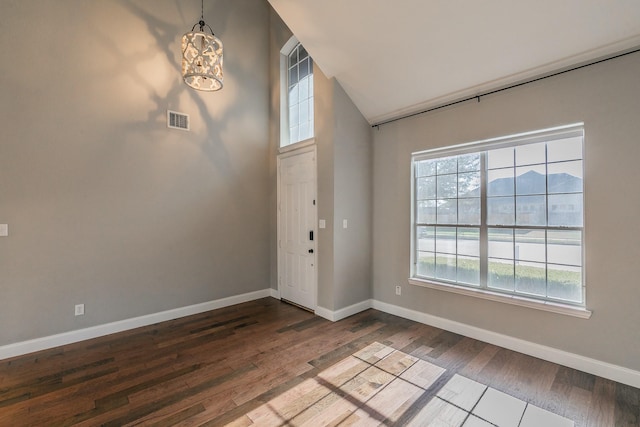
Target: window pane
[
  {"x": 426, "y": 264},
  {"x": 565, "y": 210},
  {"x": 447, "y": 186},
  {"x": 531, "y": 210},
  {"x": 530, "y": 245},
  {"x": 294, "y": 134},
  {"x": 500, "y": 274},
  {"x": 564, "y": 247},
  {"x": 469, "y": 241},
  {"x": 531, "y": 278},
  {"x": 469, "y": 211},
  {"x": 293, "y": 58},
  {"x": 303, "y": 52},
  {"x": 448, "y": 211},
  {"x": 501, "y": 158},
  {"x": 293, "y": 94},
  {"x": 303, "y": 90},
  {"x": 446, "y": 240},
  {"x": 303, "y": 111},
  {"x": 500, "y": 243},
  {"x": 469, "y": 162},
  {"x": 469, "y": 270},
  {"x": 305, "y": 131},
  {"x": 565, "y": 177},
  {"x": 293, "y": 76},
  {"x": 500, "y": 182},
  {"x": 565, "y": 282},
  {"x": 469, "y": 184},
  {"x": 426, "y": 239},
  {"x": 427, "y": 212},
  {"x": 426, "y": 168},
  {"x": 531, "y": 154},
  {"x": 564, "y": 149},
  {"x": 446, "y": 267},
  {"x": 294, "y": 118},
  {"x": 531, "y": 180},
  {"x": 447, "y": 165},
  {"x": 500, "y": 211},
  {"x": 304, "y": 68},
  {"x": 426, "y": 188}
]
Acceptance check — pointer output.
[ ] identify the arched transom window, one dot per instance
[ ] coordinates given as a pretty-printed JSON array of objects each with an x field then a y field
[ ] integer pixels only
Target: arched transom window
[{"x": 299, "y": 84}]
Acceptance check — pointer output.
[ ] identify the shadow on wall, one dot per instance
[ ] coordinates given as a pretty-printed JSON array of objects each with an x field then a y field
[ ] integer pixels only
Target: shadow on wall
[
  {"x": 149, "y": 73},
  {"x": 165, "y": 35},
  {"x": 231, "y": 117}
]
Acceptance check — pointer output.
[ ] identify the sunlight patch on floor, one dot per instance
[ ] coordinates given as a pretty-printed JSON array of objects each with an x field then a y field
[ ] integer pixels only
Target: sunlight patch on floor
[{"x": 379, "y": 385}]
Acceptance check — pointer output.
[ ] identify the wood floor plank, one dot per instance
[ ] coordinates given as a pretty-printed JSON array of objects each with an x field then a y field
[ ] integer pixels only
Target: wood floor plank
[
  {"x": 627, "y": 410},
  {"x": 265, "y": 363},
  {"x": 603, "y": 404}
]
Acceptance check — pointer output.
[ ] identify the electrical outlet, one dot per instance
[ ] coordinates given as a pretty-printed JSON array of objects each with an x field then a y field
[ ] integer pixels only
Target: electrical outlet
[
  {"x": 398, "y": 290},
  {"x": 79, "y": 310}
]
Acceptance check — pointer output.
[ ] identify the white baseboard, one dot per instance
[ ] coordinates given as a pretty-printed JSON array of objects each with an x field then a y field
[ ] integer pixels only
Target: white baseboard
[
  {"x": 324, "y": 312},
  {"x": 561, "y": 357},
  {"x": 30, "y": 346},
  {"x": 592, "y": 366},
  {"x": 334, "y": 316}
]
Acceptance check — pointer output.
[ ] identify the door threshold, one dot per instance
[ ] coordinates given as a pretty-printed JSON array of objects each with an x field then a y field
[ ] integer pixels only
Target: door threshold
[{"x": 297, "y": 305}]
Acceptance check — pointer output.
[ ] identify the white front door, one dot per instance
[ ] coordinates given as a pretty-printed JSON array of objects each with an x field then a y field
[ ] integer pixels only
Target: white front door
[{"x": 296, "y": 227}]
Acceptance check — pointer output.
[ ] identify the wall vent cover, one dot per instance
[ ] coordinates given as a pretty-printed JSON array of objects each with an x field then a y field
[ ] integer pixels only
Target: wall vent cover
[{"x": 177, "y": 120}]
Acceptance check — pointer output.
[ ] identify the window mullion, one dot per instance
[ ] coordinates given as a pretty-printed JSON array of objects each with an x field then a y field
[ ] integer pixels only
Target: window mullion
[{"x": 484, "y": 239}]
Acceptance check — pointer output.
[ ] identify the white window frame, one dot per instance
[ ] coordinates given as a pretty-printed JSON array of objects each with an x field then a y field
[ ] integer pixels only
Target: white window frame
[
  {"x": 482, "y": 291},
  {"x": 285, "y": 143}
]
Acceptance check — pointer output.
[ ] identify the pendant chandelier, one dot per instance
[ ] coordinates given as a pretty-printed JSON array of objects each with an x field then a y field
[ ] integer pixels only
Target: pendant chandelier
[{"x": 202, "y": 58}]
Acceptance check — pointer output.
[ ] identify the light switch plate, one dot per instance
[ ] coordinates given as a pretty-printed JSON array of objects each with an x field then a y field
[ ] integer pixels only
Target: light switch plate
[
  {"x": 4, "y": 230},
  {"x": 344, "y": 223},
  {"x": 322, "y": 223}
]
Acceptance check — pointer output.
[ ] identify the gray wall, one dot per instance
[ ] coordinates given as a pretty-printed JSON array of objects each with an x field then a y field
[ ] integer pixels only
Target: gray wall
[
  {"x": 353, "y": 157},
  {"x": 325, "y": 143},
  {"x": 105, "y": 205},
  {"x": 344, "y": 161},
  {"x": 279, "y": 34},
  {"x": 343, "y": 140},
  {"x": 606, "y": 97}
]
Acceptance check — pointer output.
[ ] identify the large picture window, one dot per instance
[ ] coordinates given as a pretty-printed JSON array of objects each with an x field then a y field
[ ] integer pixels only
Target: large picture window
[{"x": 503, "y": 216}]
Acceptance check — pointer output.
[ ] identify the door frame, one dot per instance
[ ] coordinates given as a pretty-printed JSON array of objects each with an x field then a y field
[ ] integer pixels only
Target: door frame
[{"x": 284, "y": 155}]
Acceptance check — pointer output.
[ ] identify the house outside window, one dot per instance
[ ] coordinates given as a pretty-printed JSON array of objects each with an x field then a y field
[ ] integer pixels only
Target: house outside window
[{"x": 503, "y": 217}]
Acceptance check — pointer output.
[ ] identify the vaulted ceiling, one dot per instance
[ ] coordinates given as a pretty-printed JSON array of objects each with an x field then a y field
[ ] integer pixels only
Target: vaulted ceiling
[{"x": 402, "y": 56}]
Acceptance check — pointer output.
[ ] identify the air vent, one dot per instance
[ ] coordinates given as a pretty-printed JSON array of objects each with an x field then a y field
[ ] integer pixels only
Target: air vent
[{"x": 177, "y": 120}]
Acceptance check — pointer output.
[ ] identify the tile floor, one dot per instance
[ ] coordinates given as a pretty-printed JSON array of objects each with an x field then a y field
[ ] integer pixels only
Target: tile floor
[
  {"x": 378, "y": 385},
  {"x": 484, "y": 406}
]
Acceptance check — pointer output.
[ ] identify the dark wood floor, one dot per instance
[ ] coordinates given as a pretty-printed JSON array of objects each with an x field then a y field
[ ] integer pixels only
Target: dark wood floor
[{"x": 215, "y": 368}]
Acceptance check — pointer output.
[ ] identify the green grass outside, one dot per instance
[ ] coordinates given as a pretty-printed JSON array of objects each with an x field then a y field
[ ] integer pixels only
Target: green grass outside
[{"x": 564, "y": 285}]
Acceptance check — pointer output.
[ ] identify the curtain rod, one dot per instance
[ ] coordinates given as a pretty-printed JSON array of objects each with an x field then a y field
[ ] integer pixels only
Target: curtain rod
[{"x": 477, "y": 97}]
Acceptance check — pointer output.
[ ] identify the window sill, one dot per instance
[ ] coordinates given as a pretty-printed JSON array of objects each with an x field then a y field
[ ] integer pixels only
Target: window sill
[
  {"x": 558, "y": 308},
  {"x": 296, "y": 145}
]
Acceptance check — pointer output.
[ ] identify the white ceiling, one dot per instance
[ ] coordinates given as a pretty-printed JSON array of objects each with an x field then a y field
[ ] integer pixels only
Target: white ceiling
[{"x": 402, "y": 56}]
